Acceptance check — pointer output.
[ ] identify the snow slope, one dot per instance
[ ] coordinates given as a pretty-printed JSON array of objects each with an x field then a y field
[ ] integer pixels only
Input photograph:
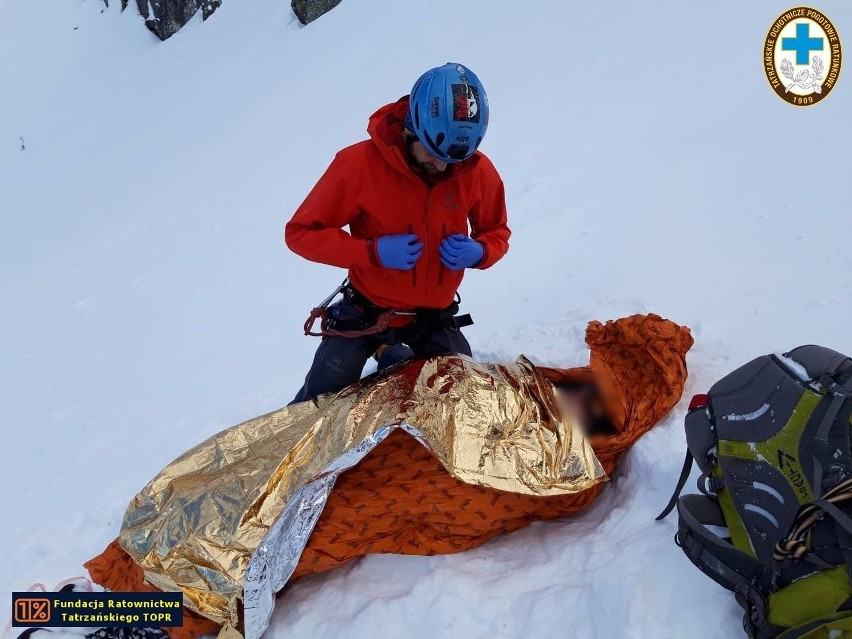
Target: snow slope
[{"x": 147, "y": 300}]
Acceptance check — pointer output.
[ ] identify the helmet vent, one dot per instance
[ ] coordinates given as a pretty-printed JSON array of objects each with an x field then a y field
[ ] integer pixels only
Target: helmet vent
[
  {"x": 435, "y": 149},
  {"x": 478, "y": 140},
  {"x": 439, "y": 139}
]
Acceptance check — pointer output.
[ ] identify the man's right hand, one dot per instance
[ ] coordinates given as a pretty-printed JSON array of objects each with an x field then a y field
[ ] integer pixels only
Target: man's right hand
[{"x": 399, "y": 251}]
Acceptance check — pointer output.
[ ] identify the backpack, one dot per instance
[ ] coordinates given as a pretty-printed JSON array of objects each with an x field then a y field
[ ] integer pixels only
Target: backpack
[{"x": 772, "y": 441}]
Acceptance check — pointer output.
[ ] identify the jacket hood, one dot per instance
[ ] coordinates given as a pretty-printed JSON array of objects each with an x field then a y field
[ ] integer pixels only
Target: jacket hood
[{"x": 386, "y": 126}]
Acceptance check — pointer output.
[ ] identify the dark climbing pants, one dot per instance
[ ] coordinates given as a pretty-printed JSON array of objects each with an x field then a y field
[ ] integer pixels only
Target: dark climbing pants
[{"x": 339, "y": 361}]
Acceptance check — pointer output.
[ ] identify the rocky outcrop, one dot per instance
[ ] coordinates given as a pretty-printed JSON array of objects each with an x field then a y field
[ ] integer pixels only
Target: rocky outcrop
[
  {"x": 309, "y": 10},
  {"x": 165, "y": 17}
]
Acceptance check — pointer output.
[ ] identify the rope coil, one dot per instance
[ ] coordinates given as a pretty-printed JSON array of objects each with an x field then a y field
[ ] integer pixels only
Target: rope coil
[
  {"x": 794, "y": 545},
  {"x": 383, "y": 321}
]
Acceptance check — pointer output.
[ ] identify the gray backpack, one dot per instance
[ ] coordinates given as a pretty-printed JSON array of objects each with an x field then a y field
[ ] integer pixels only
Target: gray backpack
[{"x": 772, "y": 440}]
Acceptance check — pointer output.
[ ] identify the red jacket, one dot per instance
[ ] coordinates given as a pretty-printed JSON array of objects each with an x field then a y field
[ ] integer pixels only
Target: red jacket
[{"x": 371, "y": 188}]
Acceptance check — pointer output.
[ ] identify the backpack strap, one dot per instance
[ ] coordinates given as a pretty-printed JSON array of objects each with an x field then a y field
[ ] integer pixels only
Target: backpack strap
[
  {"x": 838, "y": 375},
  {"x": 841, "y": 519},
  {"x": 681, "y": 482},
  {"x": 844, "y": 377},
  {"x": 717, "y": 558},
  {"x": 795, "y": 543},
  {"x": 844, "y": 539},
  {"x": 725, "y": 564},
  {"x": 706, "y": 483},
  {"x": 836, "y": 402},
  {"x": 843, "y": 530}
]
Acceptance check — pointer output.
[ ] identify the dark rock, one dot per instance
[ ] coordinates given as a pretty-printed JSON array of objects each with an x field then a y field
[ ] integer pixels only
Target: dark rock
[
  {"x": 208, "y": 7},
  {"x": 165, "y": 17},
  {"x": 309, "y": 10}
]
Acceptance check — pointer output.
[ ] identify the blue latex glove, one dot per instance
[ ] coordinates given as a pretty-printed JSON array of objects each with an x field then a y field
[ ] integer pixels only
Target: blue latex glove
[
  {"x": 399, "y": 251},
  {"x": 459, "y": 251}
]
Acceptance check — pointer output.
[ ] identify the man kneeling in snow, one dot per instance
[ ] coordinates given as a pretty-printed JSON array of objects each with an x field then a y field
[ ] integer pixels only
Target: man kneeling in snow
[{"x": 422, "y": 205}]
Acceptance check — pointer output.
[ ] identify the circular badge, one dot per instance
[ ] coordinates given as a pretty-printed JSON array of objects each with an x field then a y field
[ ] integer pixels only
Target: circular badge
[{"x": 802, "y": 56}]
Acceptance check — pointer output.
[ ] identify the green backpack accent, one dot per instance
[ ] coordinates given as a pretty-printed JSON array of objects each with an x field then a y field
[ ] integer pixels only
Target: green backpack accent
[{"x": 772, "y": 440}]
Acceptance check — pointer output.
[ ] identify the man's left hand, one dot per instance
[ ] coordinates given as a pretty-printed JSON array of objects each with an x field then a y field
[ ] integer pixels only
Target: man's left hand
[{"x": 460, "y": 251}]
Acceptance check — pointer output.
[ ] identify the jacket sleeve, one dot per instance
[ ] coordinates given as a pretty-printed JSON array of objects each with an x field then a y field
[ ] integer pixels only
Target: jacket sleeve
[
  {"x": 489, "y": 222},
  {"x": 316, "y": 230}
]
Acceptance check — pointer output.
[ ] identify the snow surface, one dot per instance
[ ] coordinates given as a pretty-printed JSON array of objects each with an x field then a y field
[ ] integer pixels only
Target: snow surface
[{"x": 147, "y": 300}]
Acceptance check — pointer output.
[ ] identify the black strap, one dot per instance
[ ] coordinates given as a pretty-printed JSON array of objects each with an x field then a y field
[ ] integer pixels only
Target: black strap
[
  {"x": 754, "y": 621},
  {"x": 844, "y": 377},
  {"x": 427, "y": 317},
  {"x": 425, "y": 321},
  {"x": 838, "y": 364},
  {"x": 842, "y": 519},
  {"x": 362, "y": 302},
  {"x": 836, "y": 403},
  {"x": 839, "y": 373},
  {"x": 463, "y": 320},
  {"x": 429, "y": 321},
  {"x": 844, "y": 540},
  {"x": 681, "y": 482},
  {"x": 723, "y": 562}
]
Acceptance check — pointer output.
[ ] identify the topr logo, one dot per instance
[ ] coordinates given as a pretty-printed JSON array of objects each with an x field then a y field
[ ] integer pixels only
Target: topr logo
[{"x": 802, "y": 56}]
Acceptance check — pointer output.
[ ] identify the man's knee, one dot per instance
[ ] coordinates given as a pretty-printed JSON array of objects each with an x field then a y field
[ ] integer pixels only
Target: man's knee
[
  {"x": 342, "y": 368},
  {"x": 448, "y": 340},
  {"x": 389, "y": 355},
  {"x": 341, "y": 359},
  {"x": 337, "y": 363}
]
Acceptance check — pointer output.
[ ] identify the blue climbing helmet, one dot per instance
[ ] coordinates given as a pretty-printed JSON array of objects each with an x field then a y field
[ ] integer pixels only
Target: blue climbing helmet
[{"x": 448, "y": 112}]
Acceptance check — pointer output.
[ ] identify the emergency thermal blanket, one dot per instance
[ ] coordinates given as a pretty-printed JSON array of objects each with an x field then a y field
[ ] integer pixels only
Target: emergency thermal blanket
[{"x": 230, "y": 521}]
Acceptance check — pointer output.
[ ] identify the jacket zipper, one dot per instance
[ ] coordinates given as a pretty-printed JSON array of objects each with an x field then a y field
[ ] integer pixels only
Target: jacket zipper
[
  {"x": 413, "y": 270},
  {"x": 441, "y": 270},
  {"x": 426, "y": 242}
]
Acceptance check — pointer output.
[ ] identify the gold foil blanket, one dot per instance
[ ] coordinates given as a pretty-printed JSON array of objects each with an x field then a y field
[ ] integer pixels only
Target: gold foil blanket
[{"x": 226, "y": 521}]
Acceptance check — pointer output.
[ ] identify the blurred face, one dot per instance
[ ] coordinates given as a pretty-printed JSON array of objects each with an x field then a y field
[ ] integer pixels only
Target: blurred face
[
  {"x": 422, "y": 159},
  {"x": 584, "y": 403}
]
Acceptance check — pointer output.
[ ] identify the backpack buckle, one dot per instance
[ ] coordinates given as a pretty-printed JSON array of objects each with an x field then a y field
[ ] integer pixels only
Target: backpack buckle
[
  {"x": 715, "y": 484},
  {"x": 709, "y": 485}
]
